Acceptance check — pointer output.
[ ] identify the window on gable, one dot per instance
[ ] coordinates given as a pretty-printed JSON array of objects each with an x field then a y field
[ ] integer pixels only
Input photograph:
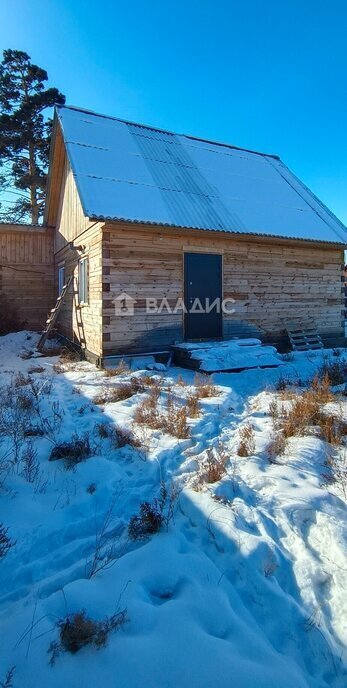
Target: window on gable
[
  {"x": 83, "y": 280},
  {"x": 61, "y": 278}
]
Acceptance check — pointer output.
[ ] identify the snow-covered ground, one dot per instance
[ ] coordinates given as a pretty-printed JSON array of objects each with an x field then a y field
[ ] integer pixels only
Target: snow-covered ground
[{"x": 245, "y": 587}]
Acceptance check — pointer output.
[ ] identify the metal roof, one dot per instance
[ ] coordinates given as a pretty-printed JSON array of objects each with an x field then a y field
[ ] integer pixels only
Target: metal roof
[{"x": 131, "y": 172}]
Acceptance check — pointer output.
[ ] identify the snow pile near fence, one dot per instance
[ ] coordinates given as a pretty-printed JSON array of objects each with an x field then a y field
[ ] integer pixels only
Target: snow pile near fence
[{"x": 243, "y": 585}]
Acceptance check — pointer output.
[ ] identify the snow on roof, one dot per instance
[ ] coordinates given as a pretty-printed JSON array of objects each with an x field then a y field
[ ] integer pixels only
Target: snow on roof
[{"x": 127, "y": 171}]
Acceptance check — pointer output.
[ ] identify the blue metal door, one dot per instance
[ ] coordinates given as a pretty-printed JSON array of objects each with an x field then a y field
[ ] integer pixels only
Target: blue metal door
[{"x": 203, "y": 296}]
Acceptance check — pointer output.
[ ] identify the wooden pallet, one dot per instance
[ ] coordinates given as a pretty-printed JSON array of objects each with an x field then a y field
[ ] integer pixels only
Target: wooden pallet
[
  {"x": 304, "y": 336},
  {"x": 53, "y": 315}
]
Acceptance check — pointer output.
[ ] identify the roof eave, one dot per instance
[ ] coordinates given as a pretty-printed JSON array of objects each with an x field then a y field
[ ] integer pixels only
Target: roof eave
[
  {"x": 104, "y": 218},
  {"x": 50, "y": 166}
]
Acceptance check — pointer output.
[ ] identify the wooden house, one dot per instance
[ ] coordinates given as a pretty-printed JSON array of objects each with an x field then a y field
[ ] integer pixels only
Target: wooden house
[{"x": 149, "y": 221}]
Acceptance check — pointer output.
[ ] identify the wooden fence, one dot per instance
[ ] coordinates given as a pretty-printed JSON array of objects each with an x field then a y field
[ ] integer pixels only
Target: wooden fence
[{"x": 27, "y": 273}]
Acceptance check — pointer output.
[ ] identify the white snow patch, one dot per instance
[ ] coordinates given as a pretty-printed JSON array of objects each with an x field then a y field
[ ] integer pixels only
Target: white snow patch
[{"x": 247, "y": 585}]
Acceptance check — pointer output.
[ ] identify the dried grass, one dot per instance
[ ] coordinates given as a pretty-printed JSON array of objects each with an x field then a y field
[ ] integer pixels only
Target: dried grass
[
  {"x": 305, "y": 409},
  {"x": 193, "y": 406},
  {"x": 204, "y": 387},
  {"x": 73, "y": 452},
  {"x": 21, "y": 380},
  {"x": 214, "y": 465},
  {"x": 247, "y": 441},
  {"x": 276, "y": 446},
  {"x": 148, "y": 521},
  {"x": 173, "y": 420},
  {"x": 147, "y": 412},
  {"x": 7, "y": 682},
  {"x": 119, "y": 437},
  {"x": 69, "y": 356},
  {"x": 121, "y": 392},
  {"x": 152, "y": 381},
  {"x": 121, "y": 369},
  {"x": 181, "y": 382},
  {"x": 153, "y": 516},
  {"x": 78, "y": 630},
  {"x": 5, "y": 541},
  {"x": 175, "y": 423},
  {"x": 337, "y": 464},
  {"x": 332, "y": 429},
  {"x": 36, "y": 369},
  {"x": 334, "y": 371}
]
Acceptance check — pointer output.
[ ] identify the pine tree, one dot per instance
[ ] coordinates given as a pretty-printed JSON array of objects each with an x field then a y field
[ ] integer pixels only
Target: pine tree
[{"x": 25, "y": 134}]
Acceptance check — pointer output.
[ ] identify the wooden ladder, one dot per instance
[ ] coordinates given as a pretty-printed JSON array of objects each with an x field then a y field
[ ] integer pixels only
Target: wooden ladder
[{"x": 53, "y": 314}]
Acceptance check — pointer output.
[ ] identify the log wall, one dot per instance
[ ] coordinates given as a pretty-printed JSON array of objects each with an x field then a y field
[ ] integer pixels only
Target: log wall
[
  {"x": 272, "y": 281},
  {"x": 26, "y": 272}
]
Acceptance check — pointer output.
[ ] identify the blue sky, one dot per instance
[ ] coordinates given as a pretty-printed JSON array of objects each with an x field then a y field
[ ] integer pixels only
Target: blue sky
[{"x": 266, "y": 75}]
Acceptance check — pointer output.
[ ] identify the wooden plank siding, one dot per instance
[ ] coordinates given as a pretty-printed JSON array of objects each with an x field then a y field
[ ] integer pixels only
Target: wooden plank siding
[
  {"x": 271, "y": 280},
  {"x": 71, "y": 219},
  {"x": 65, "y": 212},
  {"x": 85, "y": 321},
  {"x": 26, "y": 272},
  {"x": 77, "y": 237}
]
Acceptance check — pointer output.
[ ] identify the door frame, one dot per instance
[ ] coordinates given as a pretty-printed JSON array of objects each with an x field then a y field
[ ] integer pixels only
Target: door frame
[{"x": 212, "y": 251}]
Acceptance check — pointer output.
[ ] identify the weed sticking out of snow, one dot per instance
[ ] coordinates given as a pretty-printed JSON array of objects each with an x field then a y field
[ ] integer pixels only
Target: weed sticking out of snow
[
  {"x": 283, "y": 383},
  {"x": 305, "y": 408},
  {"x": 276, "y": 447},
  {"x": 274, "y": 410},
  {"x": 193, "y": 406},
  {"x": 205, "y": 389},
  {"x": 73, "y": 452},
  {"x": 78, "y": 630},
  {"x": 34, "y": 369},
  {"x": 333, "y": 429},
  {"x": 246, "y": 445},
  {"x": 214, "y": 465},
  {"x": 334, "y": 371},
  {"x": 302, "y": 412},
  {"x": 21, "y": 380},
  {"x": 180, "y": 382},
  {"x": 172, "y": 420},
  {"x": 147, "y": 411},
  {"x": 118, "y": 436},
  {"x": 8, "y": 679},
  {"x": 107, "y": 549},
  {"x": 121, "y": 368},
  {"x": 31, "y": 466},
  {"x": 152, "y": 516},
  {"x": 5, "y": 541},
  {"x": 152, "y": 381},
  {"x": 121, "y": 392},
  {"x": 148, "y": 521}
]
